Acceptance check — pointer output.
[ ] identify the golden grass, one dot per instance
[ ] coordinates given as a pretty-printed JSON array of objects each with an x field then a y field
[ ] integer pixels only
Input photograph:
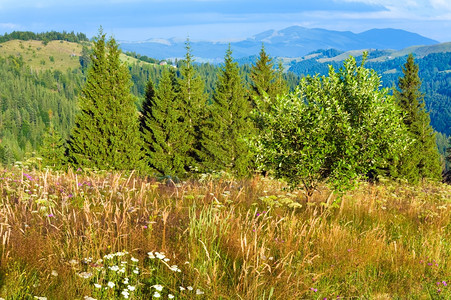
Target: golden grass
[{"x": 242, "y": 239}]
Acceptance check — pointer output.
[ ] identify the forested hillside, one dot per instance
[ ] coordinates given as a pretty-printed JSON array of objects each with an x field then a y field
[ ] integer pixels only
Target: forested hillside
[{"x": 27, "y": 98}]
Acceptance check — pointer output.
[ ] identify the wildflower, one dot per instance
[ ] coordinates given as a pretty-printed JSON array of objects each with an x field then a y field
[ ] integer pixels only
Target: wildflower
[
  {"x": 136, "y": 271},
  {"x": 151, "y": 256},
  {"x": 166, "y": 259},
  {"x": 182, "y": 288},
  {"x": 160, "y": 255},
  {"x": 114, "y": 268},
  {"x": 199, "y": 292},
  {"x": 85, "y": 275},
  {"x": 314, "y": 290},
  {"x": 158, "y": 287},
  {"x": 190, "y": 288},
  {"x": 40, "y": 298},
  {"x": 444, "y": 283},
  {"x": 121, "y": 270},
  {"x": 130, "y": 288},
  {"x": 174, "y": 268},
  {"x": 54, "y": 273},
  {"x": 108, "y": 256},
  {"x": 170, "y": 296},
  {"x": 110, "y": 284},
  {"x": 134, "y": 259},
  {"x": 50, "y": 215},
  {"x": 156, "y": 295},
  {"x": 73, "y": 262},
  {"x": 126, "y": 280},
  {"x": 125, "y": 293},
  {"x": 97, "y": 286},
  {"x": 89, "y": 298}
]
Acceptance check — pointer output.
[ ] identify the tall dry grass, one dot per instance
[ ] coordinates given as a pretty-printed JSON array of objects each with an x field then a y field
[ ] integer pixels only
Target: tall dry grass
[{"x": 248, "y": 239}]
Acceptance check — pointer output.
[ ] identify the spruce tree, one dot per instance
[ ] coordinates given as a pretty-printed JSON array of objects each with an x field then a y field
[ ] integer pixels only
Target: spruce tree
[
  {"x": 193, "y": 101},
  {"x": 53, "y": 149},
  {"x": 106, "y": 133},
  {"x": 263, "y": 77},
  {"x": 280, "y": 84},
  {"x": 224, "y": 134},
  {"x": 448, "y": 151},
  {"x": 421, "y": 160},
  {"x": 164, "y": 132}
]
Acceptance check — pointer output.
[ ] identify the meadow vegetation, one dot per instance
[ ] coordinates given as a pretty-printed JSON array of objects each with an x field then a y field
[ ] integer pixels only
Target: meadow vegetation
[{"x": 110, "y": 235}]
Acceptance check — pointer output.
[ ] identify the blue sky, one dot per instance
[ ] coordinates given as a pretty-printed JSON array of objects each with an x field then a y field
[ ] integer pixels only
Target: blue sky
[{"x": 135, "y": 20}]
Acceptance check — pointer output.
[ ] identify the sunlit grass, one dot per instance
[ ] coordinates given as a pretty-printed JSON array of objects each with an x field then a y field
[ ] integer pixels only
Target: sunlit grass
[{"x": 102, "y": 235}]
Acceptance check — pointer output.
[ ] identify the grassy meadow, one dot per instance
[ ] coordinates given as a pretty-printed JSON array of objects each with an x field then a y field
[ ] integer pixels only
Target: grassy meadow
[
  {"x": 100, "y": 235},
  {"x": 55, "y": 55}
]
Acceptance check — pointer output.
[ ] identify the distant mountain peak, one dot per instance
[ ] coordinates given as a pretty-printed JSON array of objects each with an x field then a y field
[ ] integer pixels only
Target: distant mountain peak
[{"x": 293, "y": 41}]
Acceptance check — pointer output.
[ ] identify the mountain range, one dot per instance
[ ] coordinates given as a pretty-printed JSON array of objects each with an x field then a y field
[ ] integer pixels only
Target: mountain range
[{"x": 293, "y": 41}]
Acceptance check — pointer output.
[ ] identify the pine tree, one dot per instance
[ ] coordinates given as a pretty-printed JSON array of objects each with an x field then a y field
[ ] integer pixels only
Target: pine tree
[
  {"x": 263, "y": 77},
  {"x": 106, "y": 133},
  {"x": 193, "y": 101},
  {"x": 164, "y": 132},
  {"x": 280, "y": 84},
  {"x": 448, "y": 151},
  {"x": 421, "y": 160},
  {"x": 53, "y": 149},
  {"x": 223, "y": 136}
]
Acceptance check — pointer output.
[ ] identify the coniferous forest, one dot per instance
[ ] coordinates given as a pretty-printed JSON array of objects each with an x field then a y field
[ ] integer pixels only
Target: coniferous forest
[{"x": 124, "y": 177}]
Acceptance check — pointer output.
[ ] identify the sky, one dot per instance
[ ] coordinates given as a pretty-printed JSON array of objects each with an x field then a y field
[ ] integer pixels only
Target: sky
[{"x": 223, "y": 20}]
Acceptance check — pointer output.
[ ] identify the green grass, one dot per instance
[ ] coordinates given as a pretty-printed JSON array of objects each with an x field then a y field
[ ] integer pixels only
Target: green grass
[{"x": 224, "y": 239}]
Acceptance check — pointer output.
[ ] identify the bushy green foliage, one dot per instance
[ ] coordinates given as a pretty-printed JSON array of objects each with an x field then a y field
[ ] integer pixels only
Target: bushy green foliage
[
  {"x": 106, "y": 133},
  {"x": 421, "y": 160},
  {"x": 336, "y": 129},
  {"x": 432, "y": 71},
  {"x": 224, "y": 133}
]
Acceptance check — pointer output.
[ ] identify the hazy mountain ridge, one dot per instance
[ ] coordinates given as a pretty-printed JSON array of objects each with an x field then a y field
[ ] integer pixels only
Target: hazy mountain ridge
[{"x": 294, "y": 41}]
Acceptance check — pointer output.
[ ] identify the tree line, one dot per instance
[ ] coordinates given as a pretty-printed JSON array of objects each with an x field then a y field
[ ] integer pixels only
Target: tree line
[
  {"x": 334, "y": 128},
  {"x": 44, "y": 36}
]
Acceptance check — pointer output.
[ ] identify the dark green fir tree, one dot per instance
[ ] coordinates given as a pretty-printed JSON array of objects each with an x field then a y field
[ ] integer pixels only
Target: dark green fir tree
[
  {"x": 164, "y": 133},
  {"x": 106, "y": 132},
  {"x": 193, "y": 100},
  {"x": 421, "y": 160},
  {"x": 224, "y": 134}
]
